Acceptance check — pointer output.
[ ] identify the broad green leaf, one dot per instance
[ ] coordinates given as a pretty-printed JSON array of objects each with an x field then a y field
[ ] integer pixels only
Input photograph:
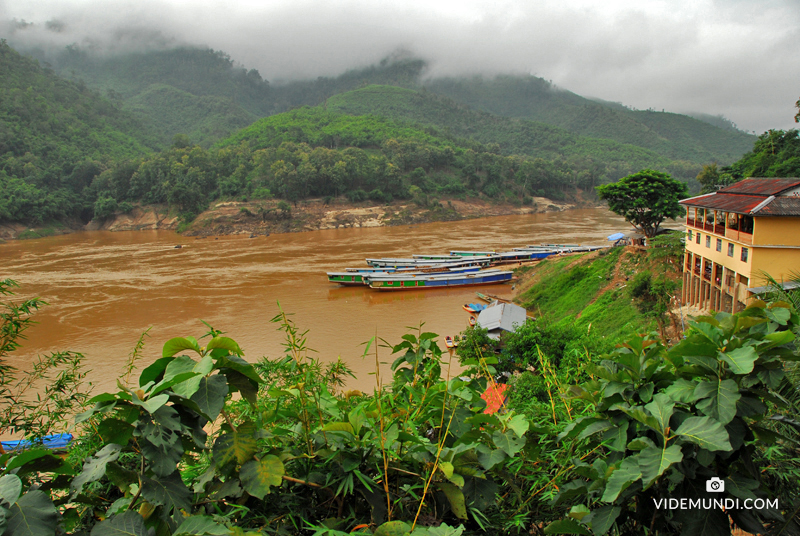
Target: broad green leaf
[
  {"x": 711, "y": 522},
  {"x": 151, "y": 404},
  {"x": 616, "y": 437},
  {"x": 239, "y": 382},
  {"x": 778, "y": 314},
  {"x": 95, "y": 467},
  {"x": 653, "y": 461},
  {"x": 121, "y": 477},
  {"x": 442, "y": 530},
  {"x": 357, "y": 418},
  {"x": 508, "y": 441},
  {"x": 566, "y": 526},
  {"x": 210, "y": 396},
  {"x": 169, "y": 491},
  {"x": 638, "y": 413},
  {"x": 622, "y": 477},
  {"x": 681, "y": 390},
  {"x": 236, "y": 446},
  {"x": 641, "y": 443},
  {"x": 201, "y": 526},
  {"x": 182, "y": 364},
  {"x": 519, "y": 423},
  {"x": 225, "y": 343},
  {"x": 489, "y": 457},
  {"x": 10, "y": 489},
  {"x": 238, "y": 364},
  {"x": 393, "y": 528},
  {"x": 706, "y": 432},
  {"x": 34, "y": 514},
  {"x": 603, "y": 518},
  {"x": 154, "y": 371},
  {"x": 579, "y": 511},
  {"x": 447, "y": 468},
  {"x": 258, "y": 476},
  {"x": 740, "y": 360},
  {"x": 456, "y": 499},
  {"x": 661, "y": 408},
  {"x": 38, "y": 460},
  {"x": 178, "y": 344},
  {"x": 338, "y": 427},
  {"x": 721, "y": 404},
  {"x": 595, "y": 427},
  {"x": 129, "y": 523},
  {"x": 115, "y": 431}
]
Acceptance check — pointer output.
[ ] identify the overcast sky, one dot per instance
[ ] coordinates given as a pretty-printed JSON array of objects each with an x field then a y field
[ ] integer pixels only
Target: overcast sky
[{"x": 738, "y": 58}]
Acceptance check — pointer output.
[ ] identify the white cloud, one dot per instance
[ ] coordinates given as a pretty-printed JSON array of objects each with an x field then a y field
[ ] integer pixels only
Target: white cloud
[{"x": 732, "y": 57}]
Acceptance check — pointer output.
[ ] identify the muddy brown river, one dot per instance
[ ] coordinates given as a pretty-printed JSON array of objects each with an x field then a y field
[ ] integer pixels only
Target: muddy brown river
[{"x": 104, "y": 289}]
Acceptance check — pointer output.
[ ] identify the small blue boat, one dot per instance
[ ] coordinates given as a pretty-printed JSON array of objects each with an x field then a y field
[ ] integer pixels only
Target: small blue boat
[{"x": 52, "y": 442}]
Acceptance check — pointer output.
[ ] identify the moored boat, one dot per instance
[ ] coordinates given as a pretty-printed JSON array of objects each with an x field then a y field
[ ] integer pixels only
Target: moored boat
[{"x": 398, "y": 282}]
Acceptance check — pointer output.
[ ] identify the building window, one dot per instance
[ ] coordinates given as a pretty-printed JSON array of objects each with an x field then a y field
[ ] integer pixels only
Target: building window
[
  {"x": 708, "y": 241},
  {"x": 690, "y": 235},
  {"x": 697, "y": 238},
  {"x": 719, "y": 244},
  {"x": 744, "y": 254},
  {"x": 730, "y": 250}
]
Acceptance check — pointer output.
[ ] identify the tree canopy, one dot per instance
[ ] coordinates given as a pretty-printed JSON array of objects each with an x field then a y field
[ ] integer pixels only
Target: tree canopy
[{"x": 645, "y": 199}]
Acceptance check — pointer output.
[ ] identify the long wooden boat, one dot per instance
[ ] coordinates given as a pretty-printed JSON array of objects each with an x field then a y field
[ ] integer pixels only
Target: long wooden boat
[
  {"x": 397, "y": 282},
  {"x": 420, "y": 263},
  {"x": 461, "y": 253},
  {"x": 362, "y": 278},
  {"x": 434, "y": 257}
]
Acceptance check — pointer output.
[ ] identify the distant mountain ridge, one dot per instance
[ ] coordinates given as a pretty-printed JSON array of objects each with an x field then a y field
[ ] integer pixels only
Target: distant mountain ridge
[{"x": 214, "y": 75}]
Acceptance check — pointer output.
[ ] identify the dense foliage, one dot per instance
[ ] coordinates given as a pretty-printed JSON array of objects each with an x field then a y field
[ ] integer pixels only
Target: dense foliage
[
  {"x": 667, "y": 420},
  {"x": 297, "y": 452},
  {"x": 674, "y": 136},
  {"x": 775, "y": 154},
  {"x": 55, "y": 137},
  {"x": 645, "y": 199}
]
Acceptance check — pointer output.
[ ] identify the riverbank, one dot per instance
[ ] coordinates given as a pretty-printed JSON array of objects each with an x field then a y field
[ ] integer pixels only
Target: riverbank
[{"x": 261, "y": 218}]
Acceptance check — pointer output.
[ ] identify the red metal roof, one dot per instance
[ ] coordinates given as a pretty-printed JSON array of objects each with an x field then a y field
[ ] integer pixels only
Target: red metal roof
[
  {"x": 726, "y": 202},
  {"x": 765, "y": 187}
]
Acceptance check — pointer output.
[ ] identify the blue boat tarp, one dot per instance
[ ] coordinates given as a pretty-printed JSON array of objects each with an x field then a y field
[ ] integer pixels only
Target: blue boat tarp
[
  {"x": 616, "y": 236},
  {"x": 54, "y": 442}
]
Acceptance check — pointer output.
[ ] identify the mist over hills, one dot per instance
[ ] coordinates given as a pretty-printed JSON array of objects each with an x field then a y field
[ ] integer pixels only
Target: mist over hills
[
  {"x": 83, "y": 135},
  {"x": 245, "y": 96}
]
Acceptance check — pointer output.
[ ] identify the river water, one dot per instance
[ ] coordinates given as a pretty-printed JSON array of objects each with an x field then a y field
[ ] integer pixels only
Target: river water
[{"x": 104, "y": 289}]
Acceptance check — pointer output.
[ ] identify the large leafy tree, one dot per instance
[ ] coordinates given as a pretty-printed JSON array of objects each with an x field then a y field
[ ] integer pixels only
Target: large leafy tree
[{"x": 645, "y": 199}]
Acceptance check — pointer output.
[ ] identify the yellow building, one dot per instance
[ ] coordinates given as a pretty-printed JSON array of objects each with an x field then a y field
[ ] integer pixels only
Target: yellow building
[{"x": 734, "y": 236}]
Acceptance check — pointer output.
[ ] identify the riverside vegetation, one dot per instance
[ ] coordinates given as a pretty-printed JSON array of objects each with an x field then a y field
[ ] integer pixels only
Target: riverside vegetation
[
  {"x": 582, "y": 446},
  {"x": 70, "y": 154}
]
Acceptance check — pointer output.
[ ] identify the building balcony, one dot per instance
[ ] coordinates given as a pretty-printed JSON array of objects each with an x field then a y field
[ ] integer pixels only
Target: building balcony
[{"x": 741, "y": 236}]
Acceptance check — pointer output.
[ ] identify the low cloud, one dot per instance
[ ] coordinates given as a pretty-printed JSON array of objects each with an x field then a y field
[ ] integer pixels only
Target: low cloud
[{"x": 722, "y": 57}]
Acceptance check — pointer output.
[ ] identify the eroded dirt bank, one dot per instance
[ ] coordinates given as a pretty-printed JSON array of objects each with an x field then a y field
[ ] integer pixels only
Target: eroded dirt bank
[{"x": 272, "y": 216}]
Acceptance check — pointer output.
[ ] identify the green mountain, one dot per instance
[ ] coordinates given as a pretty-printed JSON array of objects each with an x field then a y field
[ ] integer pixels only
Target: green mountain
[
  {"x": 55, "y": 137},
  {"x": 512, "y": 136},
  {"x": 234, "y": 96},
  {"x": 672, "y": 135},
  {"x": 205, "y": 119}
]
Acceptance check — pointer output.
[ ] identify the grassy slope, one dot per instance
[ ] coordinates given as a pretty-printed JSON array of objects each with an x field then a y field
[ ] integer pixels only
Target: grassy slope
[
  {"x": 672, "y": 135},
  {"x": 568, "y": 290}
]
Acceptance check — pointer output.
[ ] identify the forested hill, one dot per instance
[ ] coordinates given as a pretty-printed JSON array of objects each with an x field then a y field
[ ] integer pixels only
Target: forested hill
[
  {"x": 672, "y": 135},
  {"x": 511, "y": 136},
  {"x": 205, "y": 94},
  {"x": 55, "y": 137}
]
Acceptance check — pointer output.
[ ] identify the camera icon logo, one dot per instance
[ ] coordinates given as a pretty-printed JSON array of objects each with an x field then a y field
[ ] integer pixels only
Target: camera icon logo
[{"x": 715, "y": 485}]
